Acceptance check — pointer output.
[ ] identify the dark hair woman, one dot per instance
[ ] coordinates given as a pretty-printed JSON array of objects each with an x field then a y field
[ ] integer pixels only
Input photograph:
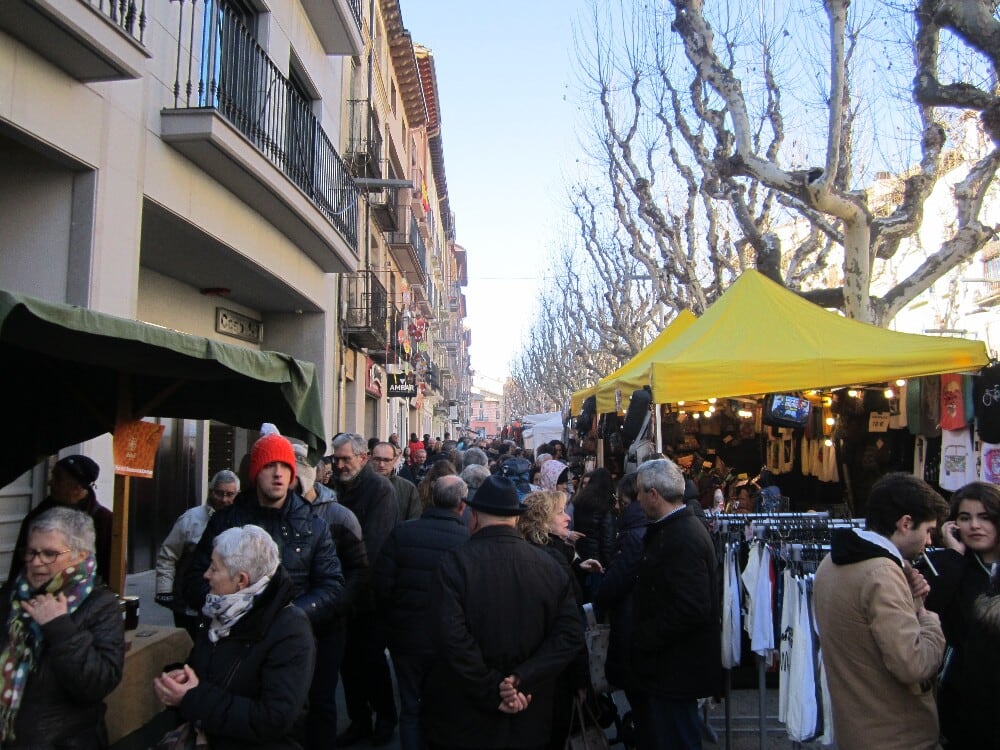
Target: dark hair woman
[
  {"x": 961, "y": 574},
  {"x": 63, "y": 647},
  {"x": 593, "y": 516}
]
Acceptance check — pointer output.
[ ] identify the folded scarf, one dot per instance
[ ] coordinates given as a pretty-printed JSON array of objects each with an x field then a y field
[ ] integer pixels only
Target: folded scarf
[{"x": 226, "y": 610}]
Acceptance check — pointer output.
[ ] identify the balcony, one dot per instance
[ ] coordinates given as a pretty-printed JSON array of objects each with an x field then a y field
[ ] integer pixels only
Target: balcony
[
  {"x": 337, "y": 24},
  {"x": 407, "y": 248},
  {"x": 242, "y": 121},
  {"x": 366, "y": 311},
  {"x": 364, "y": 143},
  {"x": 989, "y": 291},
  {"x": 91, "y": 40},
  {"x": 384, "y": 209}
]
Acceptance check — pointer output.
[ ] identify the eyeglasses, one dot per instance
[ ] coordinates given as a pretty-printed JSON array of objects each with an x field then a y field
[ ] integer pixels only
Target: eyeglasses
[
  {"x": 47, "y": 556},
  {"x": 343, "y": 459}
]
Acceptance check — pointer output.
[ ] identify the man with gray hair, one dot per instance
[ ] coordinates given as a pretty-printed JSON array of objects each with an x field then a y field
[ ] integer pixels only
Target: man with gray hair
[
  {"x": 402, "y": 579},
  {"x": 677, "y": 613},
  {"x": 365, "y": 670},
  {"x": 177, "y": 550},
  {"x": 473, "y": 476}
]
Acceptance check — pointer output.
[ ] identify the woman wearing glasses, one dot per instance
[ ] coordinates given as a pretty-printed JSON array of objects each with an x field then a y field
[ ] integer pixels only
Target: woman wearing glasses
[{"x": 62, "y": 647}]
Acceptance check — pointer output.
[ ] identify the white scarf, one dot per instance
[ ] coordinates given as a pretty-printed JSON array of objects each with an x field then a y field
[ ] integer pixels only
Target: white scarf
[{"x": 228, "y": 609}]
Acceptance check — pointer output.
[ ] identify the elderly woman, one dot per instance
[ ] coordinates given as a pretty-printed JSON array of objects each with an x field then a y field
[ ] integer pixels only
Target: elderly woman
[
  {"x": 63, "y": 646},
  {"x": 247, "y": 679}
]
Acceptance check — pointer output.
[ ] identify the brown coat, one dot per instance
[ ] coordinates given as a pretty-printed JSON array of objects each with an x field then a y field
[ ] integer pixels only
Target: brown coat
[{"x": 880, "y": 655}]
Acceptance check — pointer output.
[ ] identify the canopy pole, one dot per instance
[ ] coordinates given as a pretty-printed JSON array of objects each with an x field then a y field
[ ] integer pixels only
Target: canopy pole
[
  {"x": 659, "y": 429},
  {"x": 123, "y": 486}
]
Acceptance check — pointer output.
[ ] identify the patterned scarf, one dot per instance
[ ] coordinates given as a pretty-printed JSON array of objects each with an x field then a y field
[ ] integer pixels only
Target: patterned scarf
[
  {"x": 20, "y": 657},
  {"x": 226, "y": 610}
]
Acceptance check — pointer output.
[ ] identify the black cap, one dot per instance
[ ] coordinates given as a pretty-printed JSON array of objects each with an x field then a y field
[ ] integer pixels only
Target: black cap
[
  {"x": 84, "y": 470},
  {"x": 498, "y": 497}
]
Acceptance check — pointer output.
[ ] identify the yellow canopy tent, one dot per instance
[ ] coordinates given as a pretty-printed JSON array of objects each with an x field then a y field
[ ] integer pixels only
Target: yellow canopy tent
[
  {"x": 634, "y": 374},
  {"x": 759, "y": 337}
]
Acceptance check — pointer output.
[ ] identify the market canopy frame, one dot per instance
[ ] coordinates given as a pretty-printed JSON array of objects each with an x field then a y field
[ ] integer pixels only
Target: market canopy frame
[{"x": 72, "y": 374}]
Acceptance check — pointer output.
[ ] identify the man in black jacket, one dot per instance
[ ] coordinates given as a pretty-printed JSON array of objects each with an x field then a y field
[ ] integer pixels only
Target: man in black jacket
[
  {"x": 676, "y": 649},
  {"x": 365, "y": 669},
  {"x": 402, "y": 579},
  {"x": 504, "y": 623}
]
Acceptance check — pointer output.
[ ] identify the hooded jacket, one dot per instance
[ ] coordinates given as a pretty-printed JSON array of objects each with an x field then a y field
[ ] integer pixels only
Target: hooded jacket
[{"x": 881, "y": 654}]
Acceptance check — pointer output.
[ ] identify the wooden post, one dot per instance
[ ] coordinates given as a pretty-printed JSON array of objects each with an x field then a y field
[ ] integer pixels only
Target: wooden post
[{"x": 119, "y": 533}]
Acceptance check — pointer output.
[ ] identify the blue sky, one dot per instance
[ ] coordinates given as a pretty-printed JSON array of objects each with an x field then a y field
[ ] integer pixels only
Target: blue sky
[{"x": 508, "y": 111}]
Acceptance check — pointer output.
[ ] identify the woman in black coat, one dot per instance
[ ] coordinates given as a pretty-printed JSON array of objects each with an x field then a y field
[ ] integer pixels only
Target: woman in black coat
[
  {"x": 971, "y": 541},
  {"x": 247, "y": 679},
  {"x": 62, "y": 649}
]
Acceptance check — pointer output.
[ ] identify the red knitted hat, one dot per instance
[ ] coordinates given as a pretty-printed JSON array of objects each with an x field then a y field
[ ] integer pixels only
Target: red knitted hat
[{"x": 269, "y": 449}]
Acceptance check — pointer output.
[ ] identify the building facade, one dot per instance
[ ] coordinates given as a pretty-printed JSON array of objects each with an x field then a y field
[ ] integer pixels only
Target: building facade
[{"x": 190, "y": 164}]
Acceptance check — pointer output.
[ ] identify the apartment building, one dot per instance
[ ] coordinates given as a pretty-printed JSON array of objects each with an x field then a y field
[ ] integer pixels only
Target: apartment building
[{"x": 229, "y": 168}]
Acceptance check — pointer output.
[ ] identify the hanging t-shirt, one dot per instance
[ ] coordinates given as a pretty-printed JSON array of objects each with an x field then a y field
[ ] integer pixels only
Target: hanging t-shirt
[
  {"x": 731, "y": 637},
  {"x": 919, "y": 455},
  {"x": 923, "y": 406},
  {"x": 802, "y": 710},
  {"x": 952, "y": 403},
  {"x": 989, "y": 463},
  {"x": 958, "y": 462},
  {"x": 897, "y": 408},
  {"x": 986, "y": 397},
  {"x": 789, "y": 617}
]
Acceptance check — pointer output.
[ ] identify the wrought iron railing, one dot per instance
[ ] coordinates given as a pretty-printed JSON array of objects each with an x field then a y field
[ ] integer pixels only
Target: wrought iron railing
[
  {"x": 366, "y": 308},
  {"x": 410, "y": 235},
  {"x": 221, "y": 66},
  {"x": 128, "y": 15},
  {"x": 364, "y": 145},
  {"x": 356, "y": 11}
]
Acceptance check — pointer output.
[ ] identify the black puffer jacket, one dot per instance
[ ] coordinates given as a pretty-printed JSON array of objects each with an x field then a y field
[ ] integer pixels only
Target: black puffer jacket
[
  {"x": 253, "y": 685},
  {"x": 404, "y": 572},
  {"x": 307, "y": 553},
  {"x": 615, "y": 597},
  {"x": 347, "y": 537},
  {"x": 81, "y": 662},
  {"x": 372, "y": 498}
]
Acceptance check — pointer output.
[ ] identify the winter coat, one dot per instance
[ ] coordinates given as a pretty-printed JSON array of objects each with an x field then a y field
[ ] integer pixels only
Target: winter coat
[
  {"x": 372, "y": 498},
  {"x": 407, "y": 498},
  {"x": 615, "y": 596},
  {"x": 102, "y": 528},
  {"x": 677, "y": 650},
  {"x": 176, "y": 553},
  {"x": 305, "y": 544},
  {"x": 959, "y": 581},
  {"x": 598, "y": 529},
  {"x": 253, "y": 685},
  {"x": 498, "y": 606},
  {"x": 980, "y": 685},
  {"x": 80, "y": 663},
  {"x": 349, "y": 542},
  {"x": 880, "y": 654},
  {"x": 403, "y": 575}
]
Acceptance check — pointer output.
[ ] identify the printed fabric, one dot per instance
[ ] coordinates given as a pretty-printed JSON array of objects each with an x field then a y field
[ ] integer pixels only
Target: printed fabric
[{"x": 225, "y": 610}]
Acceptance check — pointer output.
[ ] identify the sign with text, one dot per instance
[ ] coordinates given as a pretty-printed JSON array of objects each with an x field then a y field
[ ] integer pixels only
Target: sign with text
[
  {"x": 878, "y": 421},
  {"x": 238, "y": 326},
  {"x": 401, "y": 386},
  {"x": 135, "y": 445}
]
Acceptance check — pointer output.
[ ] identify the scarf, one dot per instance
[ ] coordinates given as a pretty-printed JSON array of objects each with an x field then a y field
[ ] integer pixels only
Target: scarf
[
  {"x": 225, "y": 610},
  {"x": 20, "y": 657}
]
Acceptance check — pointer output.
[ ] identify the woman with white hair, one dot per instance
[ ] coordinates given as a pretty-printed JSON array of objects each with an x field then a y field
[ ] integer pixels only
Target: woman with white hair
[
  {"x": 62, "y": 648},
  {"x": 247, "y": 679}
]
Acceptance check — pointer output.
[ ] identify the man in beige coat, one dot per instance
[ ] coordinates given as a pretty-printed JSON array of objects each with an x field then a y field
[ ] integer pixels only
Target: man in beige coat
[{"x": 880, "y": 646}]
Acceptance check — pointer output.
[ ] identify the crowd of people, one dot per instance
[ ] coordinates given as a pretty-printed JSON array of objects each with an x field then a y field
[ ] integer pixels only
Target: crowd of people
[{"x": 472, "y": 575}]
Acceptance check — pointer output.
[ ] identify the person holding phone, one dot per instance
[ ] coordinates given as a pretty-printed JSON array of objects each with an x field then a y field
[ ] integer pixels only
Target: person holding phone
[{"x": 958, "y": 575}]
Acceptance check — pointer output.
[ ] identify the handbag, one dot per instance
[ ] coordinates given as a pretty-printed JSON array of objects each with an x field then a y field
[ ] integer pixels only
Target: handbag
[
  {"x": 583, "y": 735},
  {"x": 597, "y": 637},
  {"x": 185, "y": 737}
]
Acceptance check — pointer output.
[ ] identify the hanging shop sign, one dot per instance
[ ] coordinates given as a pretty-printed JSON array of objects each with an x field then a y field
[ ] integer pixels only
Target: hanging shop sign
[
  {"x": 400, "y": 385},
  {"x": 239, "y": 326},
  {"x": 373, "y": 378},
  {"x": 134, "y": 446}
]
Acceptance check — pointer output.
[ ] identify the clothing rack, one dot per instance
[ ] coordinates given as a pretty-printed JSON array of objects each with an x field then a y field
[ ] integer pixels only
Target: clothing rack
[{"x": 804, "y": 537}]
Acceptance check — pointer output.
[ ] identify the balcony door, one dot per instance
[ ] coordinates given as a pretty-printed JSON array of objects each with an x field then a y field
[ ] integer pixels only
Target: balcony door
[{"x": 231, "y": 66}]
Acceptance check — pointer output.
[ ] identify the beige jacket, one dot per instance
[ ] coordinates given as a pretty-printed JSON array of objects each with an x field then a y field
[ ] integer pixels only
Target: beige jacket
[{"x": 880, "y": 655}]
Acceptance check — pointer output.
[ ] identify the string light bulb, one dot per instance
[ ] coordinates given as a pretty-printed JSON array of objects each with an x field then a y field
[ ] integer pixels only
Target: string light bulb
[
  {"x": 831, "y": 421},
  {"x": 828, "y": 443},
  {"x": 852, "y": 393},
  {"x": 901, "y": 382},
  {"x": 889, "y": 393},
  {"x": 712, "y": 400}
]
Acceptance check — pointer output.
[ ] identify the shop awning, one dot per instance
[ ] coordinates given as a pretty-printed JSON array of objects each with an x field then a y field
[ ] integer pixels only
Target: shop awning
[
  {"x": 633, "y": 374},
  {"x": 70, "y": 374},
  {"x": 759, "y": 337}
]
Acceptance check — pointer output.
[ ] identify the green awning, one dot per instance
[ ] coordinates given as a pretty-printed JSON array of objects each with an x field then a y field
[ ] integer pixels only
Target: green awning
[{"x": 71, "y": 374}]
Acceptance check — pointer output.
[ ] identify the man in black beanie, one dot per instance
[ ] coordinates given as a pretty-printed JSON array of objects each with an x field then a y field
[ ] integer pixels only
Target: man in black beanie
[{"x": 72, "y": 486}]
